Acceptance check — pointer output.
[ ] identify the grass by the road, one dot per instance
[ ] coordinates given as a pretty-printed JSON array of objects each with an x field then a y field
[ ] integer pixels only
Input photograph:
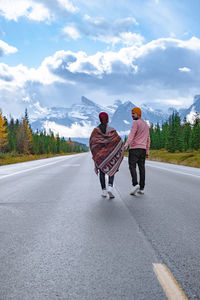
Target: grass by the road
[
  {"x": 191, "y": 159},
  {"x": 12, "y": 158}
]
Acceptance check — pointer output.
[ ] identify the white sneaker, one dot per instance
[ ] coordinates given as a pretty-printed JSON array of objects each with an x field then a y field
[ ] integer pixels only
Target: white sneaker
[
  {"x": 104, "y": 193},
  {"x": 135, "y": 190},
  {"x": 141, "y": 192},
  {"x": 110, "y": 192}
]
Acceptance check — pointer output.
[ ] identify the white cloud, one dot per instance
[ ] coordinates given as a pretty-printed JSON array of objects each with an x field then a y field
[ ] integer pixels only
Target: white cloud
[
  {"x": 172, "y": 35},
  {"x": 36, "y": 10},
  {"x": 13, "y": 10},
  {"x": 76, "y": 130},
  {"x": 154, "y": 58},
  {"x": 39, "y": 13},
  {"x": 94, "y": 21},
  {"x": 98, "y": 65},
  {"x": 171, "y": 102},
  {"x": 6, "y": 49},
  {"x": 71, "y": 31},
  {"x": 105, "y": 31},
  {"x": 184, "y": 69},
  {"x": 68, "y": 6},
  {"x": 26, "y": 99},
  {"x": 140, "y": 74},
  {"x": 125, "y": 38},
  {"x": 120, "y": 24},
  {"x": 191, "y": 44},
  {"x": 123, "y": 133},
  {"x": 18, "y": 76},
  {"x": 12, "y": 76},
  {"x": 126, "y": 122},
  {"x": 145, "y": 72},
  {"x": 129, "y": 39}
]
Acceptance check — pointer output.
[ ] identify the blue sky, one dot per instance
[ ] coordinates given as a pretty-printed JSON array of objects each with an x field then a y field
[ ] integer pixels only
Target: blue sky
[{"x": 54, "y": 51}]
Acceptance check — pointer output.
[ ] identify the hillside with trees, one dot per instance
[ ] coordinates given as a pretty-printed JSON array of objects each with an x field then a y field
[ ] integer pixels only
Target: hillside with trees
[
  {"x": 175, "y": 135},
  {"x": 17, "y": 138}
]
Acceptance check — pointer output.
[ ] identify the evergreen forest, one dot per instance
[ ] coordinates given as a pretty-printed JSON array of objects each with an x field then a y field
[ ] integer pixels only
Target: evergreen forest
[
  {"x": 175, "y": 135},
  {"x": 16, "y": 136}
]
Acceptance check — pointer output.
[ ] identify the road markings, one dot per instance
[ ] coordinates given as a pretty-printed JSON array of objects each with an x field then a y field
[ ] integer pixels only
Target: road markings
[
  {"x": 173, "y": 171},
  {"x": 169, "y": 284},
  {"x": 71, "y": 165},
  {"x": 30, "y": 169}
]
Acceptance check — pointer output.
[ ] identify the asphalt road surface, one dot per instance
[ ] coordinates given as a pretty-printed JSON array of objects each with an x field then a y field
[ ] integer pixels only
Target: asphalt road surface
[{"x": 59, "y": 239}]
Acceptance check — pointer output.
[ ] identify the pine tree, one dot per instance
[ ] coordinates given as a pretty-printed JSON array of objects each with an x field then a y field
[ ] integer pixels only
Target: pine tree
[
  {"x": 179, "y": 133},
  {"x": 175, "y": 137},
  {"x": 36, "y": 144},
  {"x": 41, "y": 143},
  {"x": 28, "y": 136},
  {"x": 157, "y": 137},
  {"x": 24, "y": 138},
  {"x": 11, "y": 135},
  {"x": 187, "y": 130},
  {"x": 196, "y": 132},
  {"x": 152, "y": 137},
  {"x": 57, "y": 144},
  {"x": 3, "y": 133},
  {"x": 26, "y": 116},
  {"x": 165, "y": 135}
]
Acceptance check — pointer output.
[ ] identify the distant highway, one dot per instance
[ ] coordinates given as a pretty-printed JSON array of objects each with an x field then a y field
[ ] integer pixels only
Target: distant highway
[{"x": 59, "y": 239}]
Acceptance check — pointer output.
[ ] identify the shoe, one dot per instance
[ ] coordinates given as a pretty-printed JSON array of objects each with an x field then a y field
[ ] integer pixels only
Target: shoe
[
  {"x": 135, "y": 189},
  {"x": 110, "y": 192},
  {"x": 141, "y": 191},
  {"x": 104, "y": 193}
]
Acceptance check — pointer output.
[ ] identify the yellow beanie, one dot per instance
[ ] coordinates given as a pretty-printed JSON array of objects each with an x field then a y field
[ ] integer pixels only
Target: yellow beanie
[{"x": 137, "y": 110}]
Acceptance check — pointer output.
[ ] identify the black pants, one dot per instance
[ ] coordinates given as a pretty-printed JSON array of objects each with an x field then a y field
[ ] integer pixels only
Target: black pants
[
  {"x": 102, "y": 179},
  {"x": 137, "y": 157}
]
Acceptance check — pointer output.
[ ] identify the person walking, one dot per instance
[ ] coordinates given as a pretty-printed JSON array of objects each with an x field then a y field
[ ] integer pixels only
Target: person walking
[
  {"x": 138, "y": 142},
  {"x": 107, "y": 152}
]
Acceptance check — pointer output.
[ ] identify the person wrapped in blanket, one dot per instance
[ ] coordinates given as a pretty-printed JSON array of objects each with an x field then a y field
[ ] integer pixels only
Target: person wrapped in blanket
[{"x": 107, "y": 152}]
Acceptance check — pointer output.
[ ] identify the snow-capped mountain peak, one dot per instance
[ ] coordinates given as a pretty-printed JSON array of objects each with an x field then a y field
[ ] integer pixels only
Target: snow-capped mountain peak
[
  {"x": 79, "y": 119},
  {"x": 87, "y": 102},
  {"x": 189, "y": 112}
]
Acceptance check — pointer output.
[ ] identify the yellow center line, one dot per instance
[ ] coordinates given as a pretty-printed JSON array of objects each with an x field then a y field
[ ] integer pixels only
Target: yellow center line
[{"x": 169, "y": 284}]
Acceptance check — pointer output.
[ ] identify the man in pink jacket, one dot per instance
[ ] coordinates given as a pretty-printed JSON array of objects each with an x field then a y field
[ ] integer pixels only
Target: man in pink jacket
[{"x": 138, "y": 142}]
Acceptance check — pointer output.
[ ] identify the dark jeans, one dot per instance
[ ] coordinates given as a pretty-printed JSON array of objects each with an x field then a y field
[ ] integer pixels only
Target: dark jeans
[
  {"x": 137, "y": 157},
  {"x": 102, "y": 179}
]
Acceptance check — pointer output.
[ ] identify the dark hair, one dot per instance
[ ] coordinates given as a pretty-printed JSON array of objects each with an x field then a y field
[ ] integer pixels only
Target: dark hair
[
  {"x": 103, "y": 117},
  {"x": 103, "y": 127}
]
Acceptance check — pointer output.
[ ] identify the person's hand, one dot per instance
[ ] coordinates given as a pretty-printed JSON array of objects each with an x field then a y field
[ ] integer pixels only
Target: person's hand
[
  {"x": 96, "y": 169},
  {"x": 125, "y": 147},
  {"x": 147, "y": 155}
]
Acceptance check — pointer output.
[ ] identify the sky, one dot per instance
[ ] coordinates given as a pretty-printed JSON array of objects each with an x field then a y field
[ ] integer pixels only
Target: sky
[{"x": 52, "y": 52}]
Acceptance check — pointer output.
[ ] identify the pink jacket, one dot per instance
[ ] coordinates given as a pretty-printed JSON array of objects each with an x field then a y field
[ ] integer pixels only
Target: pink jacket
[{"x": 139, "y": 136}]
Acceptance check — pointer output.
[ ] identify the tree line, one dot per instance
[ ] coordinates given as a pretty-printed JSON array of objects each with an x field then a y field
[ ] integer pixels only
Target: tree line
[
  {"x": 175, "y": 135},
  {"x": 17, "y": 136}
]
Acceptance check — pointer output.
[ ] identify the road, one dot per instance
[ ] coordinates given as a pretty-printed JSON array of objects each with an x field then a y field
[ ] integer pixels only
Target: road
[{"x": 59, "y": 239}]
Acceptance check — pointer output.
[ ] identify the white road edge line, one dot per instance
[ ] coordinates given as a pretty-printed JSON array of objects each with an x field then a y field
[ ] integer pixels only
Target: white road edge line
[
  {"x": 169, "y": 284},
  {"x": 174, "y": 171},
  {"x": 24, "y": 171}
]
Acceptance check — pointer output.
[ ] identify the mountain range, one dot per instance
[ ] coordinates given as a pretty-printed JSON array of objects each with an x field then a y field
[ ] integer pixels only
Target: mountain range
[{"x": 78, "y": 121}]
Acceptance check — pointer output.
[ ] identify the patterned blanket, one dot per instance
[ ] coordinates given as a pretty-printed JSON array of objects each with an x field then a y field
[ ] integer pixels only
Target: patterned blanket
[{"x": 107, "y": 150}]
